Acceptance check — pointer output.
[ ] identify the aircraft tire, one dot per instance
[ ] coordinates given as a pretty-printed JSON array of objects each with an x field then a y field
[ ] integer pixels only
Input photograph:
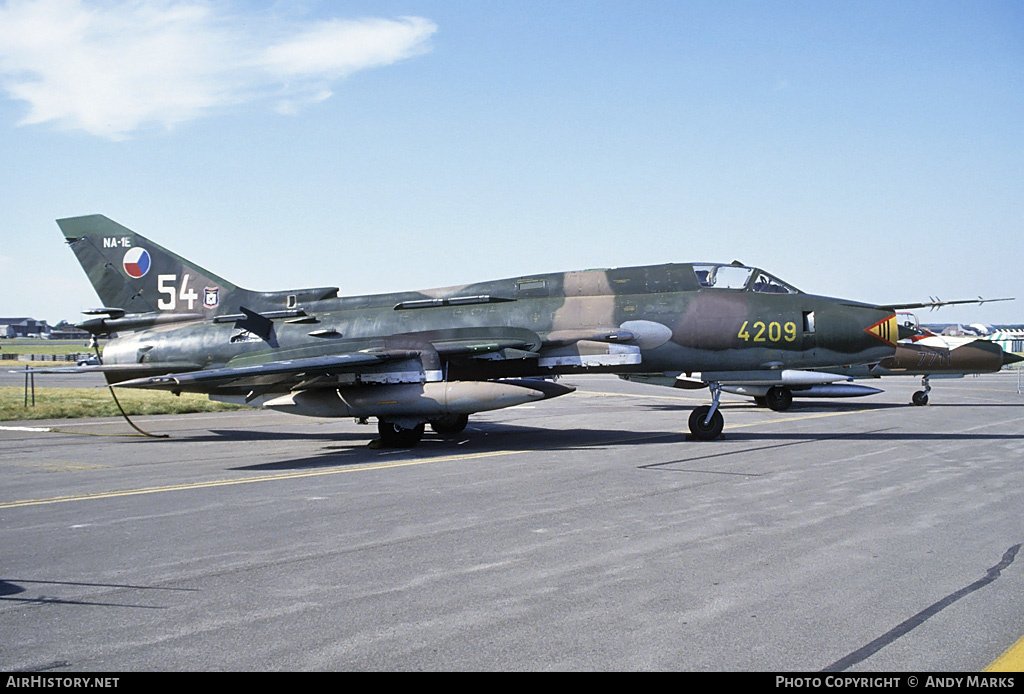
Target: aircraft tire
[
  {"x": 920, "y": 398},
  {"x": 706, "y": 432},
  {"x": 394, "y": 436},
  {"x": 450, "y": 424},
  {"x": 779, "y": 398}
]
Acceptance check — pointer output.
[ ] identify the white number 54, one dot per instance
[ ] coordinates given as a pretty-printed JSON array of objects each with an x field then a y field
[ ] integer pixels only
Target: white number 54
[{"x": 165, "y": 284}]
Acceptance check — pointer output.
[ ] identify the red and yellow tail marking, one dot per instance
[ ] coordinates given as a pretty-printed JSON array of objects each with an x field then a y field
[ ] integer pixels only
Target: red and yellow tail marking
[{"x": 886, "y": 330}]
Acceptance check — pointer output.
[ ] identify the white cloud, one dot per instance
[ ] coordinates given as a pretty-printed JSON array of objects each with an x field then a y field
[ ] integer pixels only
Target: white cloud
[
  {"x": 112, "y": 68},
  {"x": 336, "y": 48},
  {"x": 291, "y": 107}
]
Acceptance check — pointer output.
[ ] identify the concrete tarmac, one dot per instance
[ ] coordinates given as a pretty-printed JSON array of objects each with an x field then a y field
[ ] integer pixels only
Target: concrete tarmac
[
  {"x": 581, "y": 533},
  {"x": 12, "y": 374}
]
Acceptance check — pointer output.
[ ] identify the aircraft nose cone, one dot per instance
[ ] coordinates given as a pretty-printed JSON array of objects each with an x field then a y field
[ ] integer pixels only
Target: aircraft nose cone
[
  {"x": 1011, "y": 358},
  {"x": 886, "y": 330}
]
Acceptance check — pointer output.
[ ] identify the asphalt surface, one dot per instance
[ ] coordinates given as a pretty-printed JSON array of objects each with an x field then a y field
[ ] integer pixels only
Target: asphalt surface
[
  {"x": 581, "y": 533},
  {"x": 9, "y": 376}
]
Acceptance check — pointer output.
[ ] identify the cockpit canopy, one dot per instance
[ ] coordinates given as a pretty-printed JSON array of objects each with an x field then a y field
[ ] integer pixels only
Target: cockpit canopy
[{"x": 736, "y": 276}]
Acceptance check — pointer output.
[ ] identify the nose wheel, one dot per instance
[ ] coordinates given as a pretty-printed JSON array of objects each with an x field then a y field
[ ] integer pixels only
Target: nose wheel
[
  {"x": 921, "y": 397},
  {"x": 705, "y": 426},
  {"x": 706, "y": 422}
]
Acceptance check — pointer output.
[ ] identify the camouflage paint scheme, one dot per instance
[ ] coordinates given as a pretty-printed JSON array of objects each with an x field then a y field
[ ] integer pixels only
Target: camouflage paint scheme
[{"x": 181, "y": 328}]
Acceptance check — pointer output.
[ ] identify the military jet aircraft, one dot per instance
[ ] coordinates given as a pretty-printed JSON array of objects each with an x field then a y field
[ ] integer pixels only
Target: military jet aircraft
[
  {"x": 439, "y": 355},
  {"x": 923, "y": 353},
  {"x": 930, "y": 355}
]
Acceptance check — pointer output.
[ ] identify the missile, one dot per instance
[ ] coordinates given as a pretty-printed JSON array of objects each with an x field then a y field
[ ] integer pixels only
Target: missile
[
  {"x": 772, "y": 377},
  {"x": 414, "y": 400},
  {"x": 737, "y": 381}
]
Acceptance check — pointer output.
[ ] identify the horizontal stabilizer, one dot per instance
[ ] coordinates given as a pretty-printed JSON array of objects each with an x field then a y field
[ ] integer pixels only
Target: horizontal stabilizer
[
  {"x": 105, "y": 311},
  {"x": 133, "y": 321}
]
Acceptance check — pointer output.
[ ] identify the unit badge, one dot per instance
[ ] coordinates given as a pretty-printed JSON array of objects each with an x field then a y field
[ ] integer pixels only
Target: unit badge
[{"x": 211, "y": 297}]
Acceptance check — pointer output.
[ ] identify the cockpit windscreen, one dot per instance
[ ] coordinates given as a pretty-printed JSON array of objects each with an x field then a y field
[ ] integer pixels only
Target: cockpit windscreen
[{"x": 715, "y": 276}]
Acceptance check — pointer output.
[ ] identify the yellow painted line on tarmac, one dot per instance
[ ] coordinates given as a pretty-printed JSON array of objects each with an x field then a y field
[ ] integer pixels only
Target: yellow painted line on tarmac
[
  {"x": 58, "y": 466},
  {"x": 817, "y": 415},
  {"x": 250, "y": 480},
  {"x": 601, "y": 394},
  {"x": 730, "y": 425},
  {"x": 1011, "y": 661}
]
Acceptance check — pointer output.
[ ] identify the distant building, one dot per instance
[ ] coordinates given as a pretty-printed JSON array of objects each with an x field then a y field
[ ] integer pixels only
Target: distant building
[{"x": 23, "y": 327}]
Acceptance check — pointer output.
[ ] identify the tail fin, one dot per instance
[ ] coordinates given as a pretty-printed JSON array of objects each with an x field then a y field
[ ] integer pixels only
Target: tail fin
[{"x": 131, "y": 273}]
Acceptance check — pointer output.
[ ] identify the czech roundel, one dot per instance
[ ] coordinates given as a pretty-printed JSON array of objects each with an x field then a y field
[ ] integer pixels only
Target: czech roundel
[{"x": 136, "y": 262}]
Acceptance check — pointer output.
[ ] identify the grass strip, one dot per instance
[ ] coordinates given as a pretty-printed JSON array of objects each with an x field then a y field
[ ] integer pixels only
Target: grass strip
[{"x": 72, "y": 403}]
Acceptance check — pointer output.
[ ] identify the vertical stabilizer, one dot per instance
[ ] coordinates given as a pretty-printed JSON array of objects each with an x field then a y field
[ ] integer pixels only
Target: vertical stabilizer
[{"x": 131, "y": 273}]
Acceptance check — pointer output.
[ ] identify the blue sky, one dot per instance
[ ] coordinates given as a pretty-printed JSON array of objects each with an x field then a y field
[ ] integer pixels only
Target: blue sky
[{"x": 869, "y": 150}]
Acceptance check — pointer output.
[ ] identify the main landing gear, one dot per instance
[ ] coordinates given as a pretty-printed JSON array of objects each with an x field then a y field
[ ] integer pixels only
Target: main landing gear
[
  {"x": 449, "y": 424},
  {"x": 706, "y": 422},
  {"x": 921, "y": 397},
  {"x": 778, "y": 398},
  {"x": 393, "y": 435},
  {"x": 399, "y": 435}
]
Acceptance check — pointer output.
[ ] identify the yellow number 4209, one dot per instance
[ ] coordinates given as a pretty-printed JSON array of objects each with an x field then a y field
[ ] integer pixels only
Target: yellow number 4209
[{"x": 768, "y": 332}]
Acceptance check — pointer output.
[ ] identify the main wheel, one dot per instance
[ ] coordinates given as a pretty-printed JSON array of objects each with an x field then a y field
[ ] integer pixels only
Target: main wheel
[
  {"x": 450, "y": 423},
  {"x": 394, "y": 436},
  {"x": 920, "y": 398},
  {"x": 778, "y": 398},
  {"x": 706, "y": 431}
]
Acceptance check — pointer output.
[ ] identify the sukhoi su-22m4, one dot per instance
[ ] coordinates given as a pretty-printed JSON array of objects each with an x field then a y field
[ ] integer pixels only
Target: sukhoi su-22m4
[{"x": 439, "y": 355}]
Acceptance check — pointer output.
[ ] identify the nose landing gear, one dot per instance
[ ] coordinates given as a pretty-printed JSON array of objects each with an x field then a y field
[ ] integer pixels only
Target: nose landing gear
[
  {"x": 706, "y": 422},
  {"x": 921, "y": 397}
]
